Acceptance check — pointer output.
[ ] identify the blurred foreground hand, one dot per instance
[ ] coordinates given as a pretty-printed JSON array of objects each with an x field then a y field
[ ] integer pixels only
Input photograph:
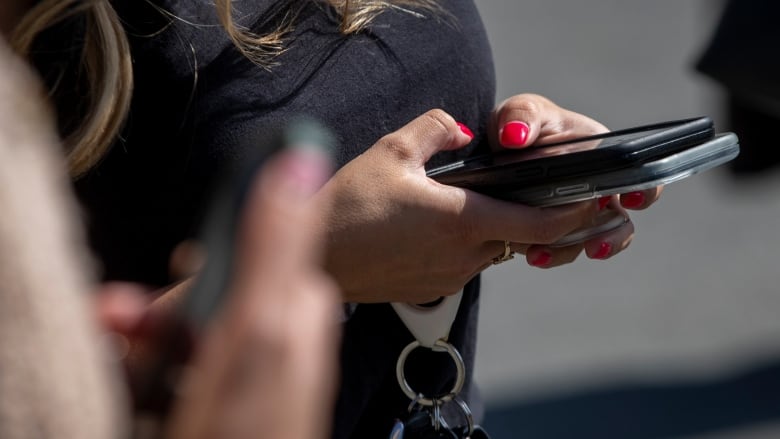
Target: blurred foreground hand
[{"x": 266, "y": 366}]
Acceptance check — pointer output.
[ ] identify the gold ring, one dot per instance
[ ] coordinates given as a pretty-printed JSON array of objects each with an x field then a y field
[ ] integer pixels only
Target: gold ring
[{"x": 507, "y": 255}]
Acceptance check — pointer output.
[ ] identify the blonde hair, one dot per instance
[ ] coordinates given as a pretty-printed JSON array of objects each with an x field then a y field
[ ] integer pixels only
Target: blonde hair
[
  {"x": 106, "y": 62},
  {"x": 355, "y": 15}
]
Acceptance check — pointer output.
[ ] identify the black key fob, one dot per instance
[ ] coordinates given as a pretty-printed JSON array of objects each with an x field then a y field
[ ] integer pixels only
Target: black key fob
[{"x": 479, "y": 433}]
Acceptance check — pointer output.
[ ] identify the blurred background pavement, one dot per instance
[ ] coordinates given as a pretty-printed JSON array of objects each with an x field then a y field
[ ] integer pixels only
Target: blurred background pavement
[{"x": 679, "y": 336}]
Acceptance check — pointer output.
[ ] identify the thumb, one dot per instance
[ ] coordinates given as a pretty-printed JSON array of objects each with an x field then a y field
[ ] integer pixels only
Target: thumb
[{"x": 416, "y": 142}]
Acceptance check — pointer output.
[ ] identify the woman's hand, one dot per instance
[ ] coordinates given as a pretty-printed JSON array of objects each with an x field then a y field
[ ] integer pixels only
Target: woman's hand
[
  {"x": 394, "y": 235},
  {"x": 528, "y": 119},
  {"x": 266, "y": 367}
]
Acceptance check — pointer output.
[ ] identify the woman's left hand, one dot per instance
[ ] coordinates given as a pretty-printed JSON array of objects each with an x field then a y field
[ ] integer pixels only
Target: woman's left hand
[{"x": 526, "y": 120}]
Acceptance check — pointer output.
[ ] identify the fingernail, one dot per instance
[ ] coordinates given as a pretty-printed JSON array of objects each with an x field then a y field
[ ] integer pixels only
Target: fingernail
[
  {"x": 307, "y": 157},
  {"x": 604, "y": 250},
  {"x": 633, "y": 200},
  {"x": 304, "y": 172},
  {"x": 603, "y": 201},
  {"x": 543, "y": 259},
  {"x": 515, "y": 134},
  {"x": 466, "y": 130}
]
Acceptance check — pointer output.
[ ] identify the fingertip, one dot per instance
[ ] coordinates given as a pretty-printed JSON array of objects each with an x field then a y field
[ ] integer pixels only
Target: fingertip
[
  {"x": 121, "y": 306},
  {"x": 640, "y": 200},
  {"x": 633, "y": 200},
  {"x": 515, "y": 134},
  {"x": 604, "y": 202},
  {"x": 300, "y": 173},
  {"x": 420, "y": 139},
  {"x": 539, "y": 257},
  {"x": 601, "y": 250},
  {"x": 466, "y": 130}
]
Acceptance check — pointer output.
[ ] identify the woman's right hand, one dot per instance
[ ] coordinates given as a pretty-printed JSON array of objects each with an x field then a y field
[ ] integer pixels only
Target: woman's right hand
[{"x": 395, "y": 235}]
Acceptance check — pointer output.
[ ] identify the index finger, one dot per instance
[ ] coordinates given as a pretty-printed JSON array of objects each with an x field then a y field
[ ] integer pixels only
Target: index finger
[{"x": 496, "y": 220}]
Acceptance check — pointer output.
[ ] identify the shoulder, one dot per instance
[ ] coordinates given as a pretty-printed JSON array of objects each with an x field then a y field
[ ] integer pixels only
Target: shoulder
[{"x": 180, "y": 36}]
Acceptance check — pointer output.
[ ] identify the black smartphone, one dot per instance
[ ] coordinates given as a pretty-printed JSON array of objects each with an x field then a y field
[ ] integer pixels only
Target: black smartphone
[
  {"x": 613, "y": 163},
  {"x": 661, "y": 171},
  {"x": 664, "y": 170},
  {"x": 562, "y": 173},
  {"x": 583, "y": 156}
]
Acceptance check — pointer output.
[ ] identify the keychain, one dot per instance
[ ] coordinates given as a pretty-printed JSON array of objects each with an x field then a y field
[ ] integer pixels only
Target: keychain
[
  {"x": 424, "y": 420},
  {"x": 427, "y": 423}
]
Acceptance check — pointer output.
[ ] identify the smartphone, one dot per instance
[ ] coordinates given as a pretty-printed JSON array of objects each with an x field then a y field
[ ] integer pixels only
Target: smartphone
[
  {"x": 596, "y": 166},
  {"x": 584, "y": 156},
  {"x": 578, "y": 170},
  {"x": 721, "y": 149}
]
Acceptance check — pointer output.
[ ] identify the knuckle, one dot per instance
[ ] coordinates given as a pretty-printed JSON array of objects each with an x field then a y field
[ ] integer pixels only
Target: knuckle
[
  {"x": 439, "y": 119},
  {"x": 457, "y": 220},
  {"x": 526, "y": 104},
  {"x": 397, "y": 145}
]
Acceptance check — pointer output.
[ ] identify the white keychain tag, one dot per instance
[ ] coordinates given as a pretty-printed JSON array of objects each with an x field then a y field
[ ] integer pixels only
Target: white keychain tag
[{"x": 429, "y": 324}]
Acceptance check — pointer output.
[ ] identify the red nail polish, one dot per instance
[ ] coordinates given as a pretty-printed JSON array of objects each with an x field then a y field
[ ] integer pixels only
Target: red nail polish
[
  {"x": 466, "y": 130},
  {"x": 632, "y": 200},
  {"x": 603, "y": 201},
  {"x": 543, "y": 259},
  {"x": 604, "y": 250},
  {"x": 515, "y": 134}
]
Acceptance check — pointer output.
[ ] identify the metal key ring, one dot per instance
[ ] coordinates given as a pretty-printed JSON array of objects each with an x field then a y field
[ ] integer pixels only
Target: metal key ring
[
  {"x": 436, "y": 415},
  {"x": 467, "y": 414},
  {"x": 439, "y": 346}
]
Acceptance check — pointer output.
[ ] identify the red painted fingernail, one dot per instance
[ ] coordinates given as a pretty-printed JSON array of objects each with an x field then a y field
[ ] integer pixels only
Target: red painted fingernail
[
  {"x": 542, "y": 259},
  {"x": 604, "y": 250},
  {"x": 466, "y": 130},
  {"x": 515, "y": 134},
  {"x": 632, "y": 200},
  {"x": 603, "y": 201}
]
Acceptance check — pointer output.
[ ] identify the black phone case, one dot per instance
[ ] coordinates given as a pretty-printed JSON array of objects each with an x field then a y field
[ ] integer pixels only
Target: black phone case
[
  {"x": 523, "y": 167},
  {"x": 723, "y": 148}
]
